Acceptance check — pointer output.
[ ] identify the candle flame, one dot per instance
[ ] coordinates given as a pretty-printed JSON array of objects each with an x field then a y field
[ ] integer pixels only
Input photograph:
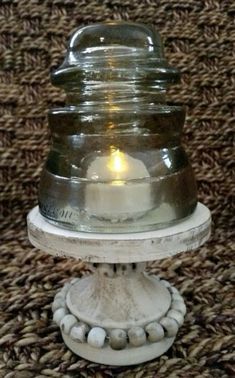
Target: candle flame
[{"x": 117, "y": 162}]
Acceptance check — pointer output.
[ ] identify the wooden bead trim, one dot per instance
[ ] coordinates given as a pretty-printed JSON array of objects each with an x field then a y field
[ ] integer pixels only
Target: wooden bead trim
[{"x": 118, "y": 339}]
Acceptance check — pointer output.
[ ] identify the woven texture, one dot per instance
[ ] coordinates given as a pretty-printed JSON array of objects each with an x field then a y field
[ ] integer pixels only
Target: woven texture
[{"x": 199, "y": 37}]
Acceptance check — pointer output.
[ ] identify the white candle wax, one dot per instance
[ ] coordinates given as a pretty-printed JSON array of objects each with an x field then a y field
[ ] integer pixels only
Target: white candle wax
[{"x": 118, "y": 198}]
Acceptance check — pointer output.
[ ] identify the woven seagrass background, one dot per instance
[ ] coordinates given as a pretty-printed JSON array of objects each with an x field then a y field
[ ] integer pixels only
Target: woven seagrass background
[{"x": 199, "y": 37}]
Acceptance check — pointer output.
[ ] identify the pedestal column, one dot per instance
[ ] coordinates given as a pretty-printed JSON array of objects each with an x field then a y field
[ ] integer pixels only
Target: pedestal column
[{"x": 119, "y": 315}]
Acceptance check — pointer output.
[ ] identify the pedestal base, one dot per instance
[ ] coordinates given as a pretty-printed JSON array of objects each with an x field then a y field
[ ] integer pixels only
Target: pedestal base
[
  {"x": 119, "y": 315},
  {"x": 134, "y": 319},
  {"x": 129, "y": 356}
]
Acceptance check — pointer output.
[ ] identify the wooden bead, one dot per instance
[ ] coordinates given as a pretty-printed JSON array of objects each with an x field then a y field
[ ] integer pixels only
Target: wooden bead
[
  {"x": 173, "y": 290},
  {"x": 179, "y": 306},
  {"x": 65, "y": 288},
  {"x": 157, "y": 278},
  {"x": 74, "y": 280},
  {"x": 79, "y": 332},
  {"x": 118, "y": 339},
  {"x": 106, "y": 270},
  {"x": 59, "y": 302},
  {"x": 165, "y": 283},
  {"x": 178, "y": 316},
  {"x": 170, "y": 325},
  {"x": 59, "y": 315},
  {"x": 137, "y": 336},
  {"x": 177, "y": 297},
  {"x": 67, "y": 323},
  {"x": 60, "y": 296},
  {"x": 96, "y": 337},
  {"x": 155, "y": 332}
]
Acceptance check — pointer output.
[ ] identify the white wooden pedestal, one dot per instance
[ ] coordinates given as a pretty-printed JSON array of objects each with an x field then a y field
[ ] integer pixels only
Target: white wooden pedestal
[{"x": 119, "y": 315}]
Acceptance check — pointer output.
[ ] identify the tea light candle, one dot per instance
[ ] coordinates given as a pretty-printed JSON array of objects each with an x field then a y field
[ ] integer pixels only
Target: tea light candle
[{"x": 117, "y": 198}]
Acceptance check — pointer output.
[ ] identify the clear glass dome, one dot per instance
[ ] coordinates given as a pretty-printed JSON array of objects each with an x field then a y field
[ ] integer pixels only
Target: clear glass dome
[{"x": 116, "y": 162}]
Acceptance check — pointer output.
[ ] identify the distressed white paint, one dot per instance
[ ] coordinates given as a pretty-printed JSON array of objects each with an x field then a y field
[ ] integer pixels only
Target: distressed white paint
[{"x": 120, "y": 248}]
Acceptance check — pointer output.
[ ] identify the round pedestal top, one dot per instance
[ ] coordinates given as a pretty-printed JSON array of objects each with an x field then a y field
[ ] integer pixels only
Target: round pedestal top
[{"x": 120, "y": 248}]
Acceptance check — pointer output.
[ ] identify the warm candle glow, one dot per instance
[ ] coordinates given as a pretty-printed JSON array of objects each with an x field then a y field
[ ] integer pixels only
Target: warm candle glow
[
  {"x": 114, "y": 197},
  {"x": 117, "y": 163}
]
